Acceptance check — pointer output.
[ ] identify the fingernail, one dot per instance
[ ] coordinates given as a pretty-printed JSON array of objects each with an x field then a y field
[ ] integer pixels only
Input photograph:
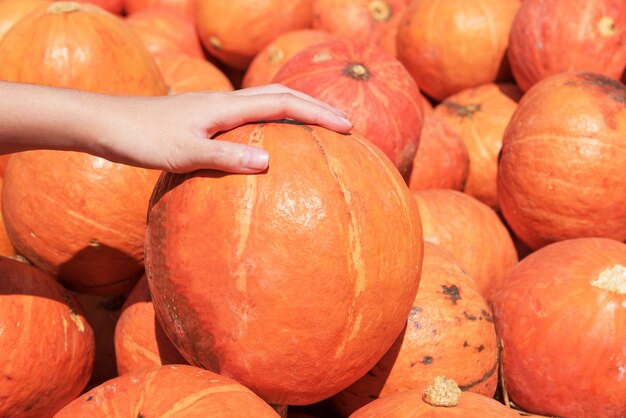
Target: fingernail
[
  {"x": 339, "y": 112},
  {"x": 255, "y": 159}
]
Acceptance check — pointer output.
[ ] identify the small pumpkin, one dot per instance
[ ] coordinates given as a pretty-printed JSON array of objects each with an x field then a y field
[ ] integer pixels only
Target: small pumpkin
[
  {"x": 184, "y": 74},
  {"x": 560, "y": 314}
]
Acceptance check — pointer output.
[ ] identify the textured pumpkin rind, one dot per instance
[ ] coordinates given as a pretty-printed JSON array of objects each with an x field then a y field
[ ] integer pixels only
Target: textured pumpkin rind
[
  {"x": 174, "y": 391},
  {"x": 12, "y": 12},
  {"x": 450, "y": 332},
  {"x": 547, "y": 39},
  {"x": 187, "y": 7},
  {"x": 384, "y": 103},
  {"x": 307, "y": 252},
  {"x": 184, "y": 74},
  {"x": 47, "y": 344},
  {"x": 561, "y": 333},
  {"x": 560, "y": 174}
]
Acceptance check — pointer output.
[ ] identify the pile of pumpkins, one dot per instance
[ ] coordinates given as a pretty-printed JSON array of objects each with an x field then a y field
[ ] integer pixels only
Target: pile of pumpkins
[{"x": 459, "y": 253}]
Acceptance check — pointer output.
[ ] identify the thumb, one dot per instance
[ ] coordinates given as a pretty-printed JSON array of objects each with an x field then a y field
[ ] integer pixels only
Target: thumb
[{"x": 225, "y": 156}]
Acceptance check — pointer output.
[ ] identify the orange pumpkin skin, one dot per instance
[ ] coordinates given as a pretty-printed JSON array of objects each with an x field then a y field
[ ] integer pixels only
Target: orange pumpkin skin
[
  {"x": 547, "y": 39},
  {"x": 270, "y": 60},
  {"x": 480, "y": 115},
  {"x": 45, "y": 369},
  {"x": 410, "y": 404},
  {"x": 174, "y": 391},
  {"x": 6, "y": 246},
  {"x": 362, "y": 20},
  {"x": 558, "y": 296},
  {"x": 186, "y": 7},
  {"x": 305, "y": 254},
  {"x": 471, "y": 231},
  {"x": 441, "y": 53},
  {"x": 12, "y": 11},
  {"x": 561, "y": 171},
  {"x": 166, "y": 32},
  {"x": 442, "y": 159},
  {"x": 184, "y": 74},
  {"x": 374, "y": 89},
  {"x": 140, "y": 343},
  {"x": 450, "y": 332},
  {"x": 236, "y": 31}
]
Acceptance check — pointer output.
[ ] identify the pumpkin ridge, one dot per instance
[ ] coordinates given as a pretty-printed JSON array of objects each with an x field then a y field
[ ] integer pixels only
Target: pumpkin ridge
[{"x": 190, "y": 400}]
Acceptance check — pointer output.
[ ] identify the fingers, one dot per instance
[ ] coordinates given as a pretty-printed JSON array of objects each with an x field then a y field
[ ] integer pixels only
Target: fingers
[{"x": 222, "y": 155}]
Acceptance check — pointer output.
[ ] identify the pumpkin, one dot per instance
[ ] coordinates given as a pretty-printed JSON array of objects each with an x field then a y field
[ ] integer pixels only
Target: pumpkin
[
  {"x": 561, "y": 171},
  {"x": 442, "y": 398},
  {"x": 450, "y": 332},
  {"x": 173, "y": 391},
  {"x": 304, "y": 255},
  {"x": 187, "y": 7},
  {"x": 364, "y": 20},
  {"x": 88, "y": 227},
  {"x": 112, "y": 6},
  {"x": 442, "y": 160},
  {"x": 560, "y": 314},
  {"x": 12, "y": 11},
  {"x": 6, "y": 246},
  {"x": 464, "y": 46},
  {"x": 269, "y": 61},
  {"x": 184, "y": 74},
  {"x": 471, "y": 231},
  {"x": 380, "y": 97},
  {"x": 166, "y": 32},
  {"x": 140, "y": 343},
  {"x": 480, "y": 115},
  {"x": 236, "y": 30},
  {"x": 47, "y": 345},
  {"x": 584, "y": 36}
]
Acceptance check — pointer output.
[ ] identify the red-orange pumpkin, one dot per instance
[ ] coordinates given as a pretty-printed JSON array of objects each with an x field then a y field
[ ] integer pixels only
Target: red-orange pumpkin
[
  {"x": 471, "y": 231},
  {"x": 549, "y": 37},
  {"x": 561, "y": 174},
  {"x": 166, "y": 32},
  {"x": 266, "y": 63},
  {"x": 6, "y": 246},
  {"x": 12, "y": 11},
  {"x": 140, "y": 343},
  {"x": 560, "y": 314},
  {"x": 363, "y": 20},
  {"x": 450, "y": 332},
  {"x": 187, "y": 7},
  {"x": 442, "y": 160},
  {"x": 480, "y": 115},
  {"x": 443, "y": 399},
  {"x": 184, "y": 74},
  {"x": 379, "y": 96},
  {"x": 452, "y": 45},
  {"x": 235, "y": 31},
  {"x": 321, "y": 268},
  {"x": 47, "y": 345},
  {"x": 169, "y": 391},
  {"x": 113, "y": 6}
]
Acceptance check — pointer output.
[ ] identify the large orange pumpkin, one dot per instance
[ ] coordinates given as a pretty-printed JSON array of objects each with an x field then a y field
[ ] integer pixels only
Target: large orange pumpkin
[
  {"x": 561, "y": 315},
  {"x": 75, "y": 216},
  {"x": 561, "y": 174},
  {"x": 471, "y": 231},
  {"x": 480, "y": 115},
  {"x": 443, "y": 399},
  {"x": 12, "y": 11},
  {"x": 184, "y": 74},
  {"x": 270, "y": 60},
  {"x": 46, "y": 344},
  {"x": 452, "y": 45},
  {"x": 379, "y": 96},
  {"x": 550, "y": 36},
  {"x": 140, "y": 343},
  {"x": 321, "y": 268},
  {"x": 235, "y": 31},
  {"x": 450, "y": 332},
  {"x": 169, "y": 391},
  {"x": 166, "y": 32},
  {"x": 442, "y": 160},
  {"x": 187, "y": 7}
]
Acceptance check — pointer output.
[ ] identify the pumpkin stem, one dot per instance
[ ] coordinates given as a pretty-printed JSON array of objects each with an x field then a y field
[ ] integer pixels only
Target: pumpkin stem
[
  {"x": 275, "y": 54},
  {"x": 606, "y": 26},
  {"x": 442, "y": 392},
  {"x": 357, "y": 71},
  {"x": 280, "y": 409},
  {"x": 64, "y": 7},
  {"x": 612, "y": 279},
  {"x": 379, "y": 10},
  {"x": 463, "y": 111}
]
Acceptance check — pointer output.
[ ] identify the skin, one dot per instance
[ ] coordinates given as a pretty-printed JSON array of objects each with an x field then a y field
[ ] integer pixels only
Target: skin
[{"x": 168, "y": 133}]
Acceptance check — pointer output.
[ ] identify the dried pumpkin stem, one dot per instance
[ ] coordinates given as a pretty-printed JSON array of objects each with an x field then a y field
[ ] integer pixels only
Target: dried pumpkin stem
[
  {"x": 64, "y": 7},
  {"x": 442, "y": 392},
  {"x": 357, "y": 71},
  {"x": 612, "y": 279},
  {"x": 379, "y": 10}
]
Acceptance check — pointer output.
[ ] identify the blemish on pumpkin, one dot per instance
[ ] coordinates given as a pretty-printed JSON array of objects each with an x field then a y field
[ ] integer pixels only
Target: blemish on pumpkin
[
  {"x": 7, "y": 377},
  {"x": 89, "y": 398},
  {"x": 487, "y": 315},
  {"x": 275, "y": 55},
  {"x": 606, "y": 26},
  {"x": 413, "y": 363},
  {"x": 140, "y": 415},
  {"x": 427, "y": 360},
  {"x": 215, "y": 42},
  {"x": 615, "y": 89},
  {"x": 452, "y": 292},
  {"x": 94, "y": 243},
  {"x": 465, "y": 344},
  {"x": 76, "y": 319},
  {"x": 466, "y": 111},
  {"x": 324, "y": 56},
  {"x": 612, "y": 279},
  {"x": 65, "y": 345},
  {"x": 480, "y": 348},
  {"x": 469, "y": 317},
  {"x": 484, "y": 377},
  {"x": 379, "y": 10}
]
